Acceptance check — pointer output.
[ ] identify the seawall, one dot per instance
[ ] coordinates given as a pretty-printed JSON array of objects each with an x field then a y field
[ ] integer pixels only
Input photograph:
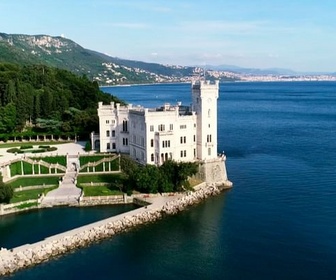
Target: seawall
[{"x": 32, "y": 254}]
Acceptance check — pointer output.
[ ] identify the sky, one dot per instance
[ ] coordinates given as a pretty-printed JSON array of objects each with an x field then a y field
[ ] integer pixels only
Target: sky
[{"x": 292, "y": 34}]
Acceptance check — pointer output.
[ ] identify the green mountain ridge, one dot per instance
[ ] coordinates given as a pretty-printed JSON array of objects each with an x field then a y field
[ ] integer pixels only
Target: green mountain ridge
[{"x": 64, "y": 53}]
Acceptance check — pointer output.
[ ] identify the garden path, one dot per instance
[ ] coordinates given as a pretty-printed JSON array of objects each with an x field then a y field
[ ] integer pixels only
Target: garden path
[{"x": 67, "y": 193}]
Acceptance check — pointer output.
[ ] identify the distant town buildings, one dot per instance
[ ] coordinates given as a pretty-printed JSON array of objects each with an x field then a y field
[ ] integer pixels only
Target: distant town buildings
[{"x": 118, "y": 70}]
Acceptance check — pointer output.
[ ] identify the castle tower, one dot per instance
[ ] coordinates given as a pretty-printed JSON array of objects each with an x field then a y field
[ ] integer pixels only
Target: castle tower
[{"x": 204, "y": 103}]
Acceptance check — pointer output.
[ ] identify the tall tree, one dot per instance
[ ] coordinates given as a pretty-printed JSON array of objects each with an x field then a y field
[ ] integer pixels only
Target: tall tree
[
  {"x": 10, "y": 95},
  {"x": 6, "y": 192}
]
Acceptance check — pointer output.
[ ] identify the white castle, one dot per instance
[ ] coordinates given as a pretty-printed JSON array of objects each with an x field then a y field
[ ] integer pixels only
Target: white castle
[{"x": 179, "y": 133}]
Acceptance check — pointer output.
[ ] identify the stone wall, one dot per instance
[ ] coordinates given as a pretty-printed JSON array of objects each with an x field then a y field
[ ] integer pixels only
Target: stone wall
[
  {"x": 6, "y": 209},
  {"x": 20, "y": 188},
  {"x": 214, "y": 171},
  {"x": 28, "y": 255},
  {"x": 102, "y": 200}
]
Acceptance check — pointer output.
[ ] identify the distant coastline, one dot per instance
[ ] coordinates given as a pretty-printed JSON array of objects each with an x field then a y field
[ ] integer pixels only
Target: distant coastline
[
  {"x": 144, "y": 84},
  {"x": 224, "y": 82}
]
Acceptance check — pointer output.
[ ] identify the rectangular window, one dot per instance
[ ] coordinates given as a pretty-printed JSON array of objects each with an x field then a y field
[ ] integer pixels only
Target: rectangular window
[
  {"x": 107, "y": 133},
  {"x": 113, "y": 122},
  {"x": 152, "y": 157},
  {"x": 194, "y": 152},
  {"x": 113, "y": 133},
  {"x": 209, "y": 151},
  {"x": 107, "y": 121},
  {"x": 152, "y": 143},
  {"x": 183, "y": 126},
  {"x": 194, "y": 138},
  {"x": 151, "y": 128},
  {"x": 161, "y": 127},
  {"x": 166, "y": 144},
  {"x": 171, "y": 127},
  {"x": 181, "y": 154},
  {"x": 113, "y": 146},
  {"x": 125, "y": 141},
  {"x": 108, "y": 146},
  {"x": 185, "y": 153},
  {"x": 142, "y": 142},
  {"x": 185, "y": 139},
  {"x": 125, "y": 126}
]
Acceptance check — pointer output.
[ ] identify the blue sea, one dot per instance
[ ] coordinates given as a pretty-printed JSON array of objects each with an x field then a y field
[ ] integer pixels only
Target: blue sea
[{"x": 278, "y": 221}]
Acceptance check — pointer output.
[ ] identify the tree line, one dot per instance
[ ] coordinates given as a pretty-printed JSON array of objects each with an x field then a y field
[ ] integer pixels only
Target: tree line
[
  {"x": 171, "y": 176},
  {"x": 40, "y": 99}
]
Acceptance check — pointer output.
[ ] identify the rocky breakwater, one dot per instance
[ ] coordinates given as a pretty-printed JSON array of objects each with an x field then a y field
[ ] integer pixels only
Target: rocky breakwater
[{"x": 28, "y": 255}]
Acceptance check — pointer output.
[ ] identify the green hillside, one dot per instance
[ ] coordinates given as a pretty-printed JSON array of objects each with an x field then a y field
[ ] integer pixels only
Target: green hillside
[
  {"x": 41, "y": 99},
  {"x": 63, "y": 53}
]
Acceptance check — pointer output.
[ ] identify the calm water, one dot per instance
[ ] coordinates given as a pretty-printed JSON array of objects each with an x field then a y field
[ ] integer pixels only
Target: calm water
[
  {"x": 34, "y": 226},
  {"x": 279, "y": 220}
]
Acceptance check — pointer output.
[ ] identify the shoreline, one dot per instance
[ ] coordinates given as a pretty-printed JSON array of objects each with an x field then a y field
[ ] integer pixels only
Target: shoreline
[
  {"x": 224, "y": 82},
  {"x": 144, "y": 84},
  {"x": 32, "y": 254}
]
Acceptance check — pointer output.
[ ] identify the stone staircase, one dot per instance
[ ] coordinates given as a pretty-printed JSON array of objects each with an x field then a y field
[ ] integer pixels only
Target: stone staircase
[{"x": 67, "y": 193}]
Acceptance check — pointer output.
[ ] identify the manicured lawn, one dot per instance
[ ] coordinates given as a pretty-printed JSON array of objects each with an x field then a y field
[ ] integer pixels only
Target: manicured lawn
[
  {"x": 34, "y": 181},
  {"x": 27, "y": 205},
  {"x": 100, "y": 178},
  {"x": 100, "y": 191},
  {"x": 61, "y": 160},
  {"x": 30, "y": 194}
]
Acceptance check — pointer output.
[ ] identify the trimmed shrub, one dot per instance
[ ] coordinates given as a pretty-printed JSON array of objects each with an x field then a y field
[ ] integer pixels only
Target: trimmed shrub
[
  {"x": 13, "y": 150},
  {"x": 38, "y": 151},
  {"x": 26, "y": 147}
]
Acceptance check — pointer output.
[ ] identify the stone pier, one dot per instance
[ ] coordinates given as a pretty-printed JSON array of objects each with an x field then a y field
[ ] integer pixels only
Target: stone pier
[{"x": 32, "y": 254}]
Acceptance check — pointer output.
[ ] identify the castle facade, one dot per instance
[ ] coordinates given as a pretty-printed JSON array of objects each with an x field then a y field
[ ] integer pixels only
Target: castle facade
[{"x": 171, "y": 132}]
